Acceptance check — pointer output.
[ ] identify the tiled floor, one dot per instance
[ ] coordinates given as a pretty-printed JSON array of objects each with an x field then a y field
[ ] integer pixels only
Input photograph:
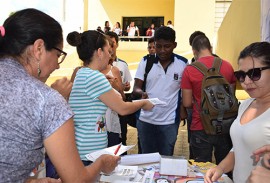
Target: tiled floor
[{"x": 181, "y": 146}]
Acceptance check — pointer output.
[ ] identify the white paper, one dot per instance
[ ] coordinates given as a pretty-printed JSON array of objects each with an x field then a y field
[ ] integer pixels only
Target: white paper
[
  {"x": 137, "y": 159},
  {"x": 173, "y": 166},
  {"x": 121, "y": 173},
  {"x": 154, "y": 101},
  {"x": 148, "y": 176},
  {"x": 110, "y": 150}
]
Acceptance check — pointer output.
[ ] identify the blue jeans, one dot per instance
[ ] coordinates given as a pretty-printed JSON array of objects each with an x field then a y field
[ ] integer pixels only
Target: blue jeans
[
  {"x": 189, "y": 120},
  {"x": 203, "y": 145},
  {"x": 157, "y": 138},
  {"x": 113, "y": 139},
  {"x": 50, "y": 169}
]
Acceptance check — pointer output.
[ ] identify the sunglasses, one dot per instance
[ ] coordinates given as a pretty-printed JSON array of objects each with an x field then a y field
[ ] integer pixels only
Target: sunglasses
[{"x": 254, "y": 74}]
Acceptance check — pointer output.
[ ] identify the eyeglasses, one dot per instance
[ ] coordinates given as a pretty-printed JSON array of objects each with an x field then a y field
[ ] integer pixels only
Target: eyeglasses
[
  {"x": 62, "y": 56},
  {"x": 254, "y": 74}
]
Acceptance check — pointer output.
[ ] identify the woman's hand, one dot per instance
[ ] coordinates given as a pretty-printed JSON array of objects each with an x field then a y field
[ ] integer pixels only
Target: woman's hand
[
  {"x": 63, "y": 86},
  {"x": 147, "y": 105},
  {"x": 259, "y": 174},
  {"x": 213, "y": 174},
  {"x": 108, "y": 162},
  {"x": 113, "y": 81},
  {"x": 265, "y": 152},
  {"x": 43, "y": 180}
]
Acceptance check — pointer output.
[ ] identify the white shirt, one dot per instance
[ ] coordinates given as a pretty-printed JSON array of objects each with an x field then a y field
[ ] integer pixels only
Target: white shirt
[
  {"x": 171, "y": 26},
  {"x": 247, "y": 138},
  {"x": 166, "y": 87},
  {"x": 117, "y": 31},
  {"x": 124, "y": 71},
  {"x": 132, "y": 30}
]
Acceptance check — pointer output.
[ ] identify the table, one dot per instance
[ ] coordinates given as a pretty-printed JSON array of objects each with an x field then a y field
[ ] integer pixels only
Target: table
[{"x": 170, "y": 178}]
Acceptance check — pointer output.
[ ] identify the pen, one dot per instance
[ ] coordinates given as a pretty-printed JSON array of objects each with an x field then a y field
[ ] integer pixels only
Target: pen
[{"x": 117, "y": 149}]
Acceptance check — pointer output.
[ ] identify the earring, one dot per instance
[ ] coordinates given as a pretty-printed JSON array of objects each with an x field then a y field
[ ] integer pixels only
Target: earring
[{"x": 38, "y": 71}]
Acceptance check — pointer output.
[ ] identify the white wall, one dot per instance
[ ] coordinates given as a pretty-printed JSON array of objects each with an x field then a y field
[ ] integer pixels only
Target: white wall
[{"x": 96, "y": 15}]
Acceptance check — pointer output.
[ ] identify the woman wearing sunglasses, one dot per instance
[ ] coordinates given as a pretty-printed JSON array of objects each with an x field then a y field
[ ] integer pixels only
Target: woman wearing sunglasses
[{"x": 251, "y": 129}]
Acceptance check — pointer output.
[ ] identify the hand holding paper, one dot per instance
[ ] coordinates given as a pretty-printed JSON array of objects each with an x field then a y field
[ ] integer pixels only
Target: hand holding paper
[
  {"x": 154, "y": 101},
  {"x": 110, "y": 150}
]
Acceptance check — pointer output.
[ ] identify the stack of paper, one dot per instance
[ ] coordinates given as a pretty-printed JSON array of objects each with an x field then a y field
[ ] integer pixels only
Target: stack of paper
[
  {"x": 170, "y": 165},
  {"x": 137, "y": 159},
  {"x": 121, "y": 173}
]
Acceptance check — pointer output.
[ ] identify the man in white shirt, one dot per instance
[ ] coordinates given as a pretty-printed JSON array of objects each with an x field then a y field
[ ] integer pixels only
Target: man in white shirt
[
  {"x": 131, "y": 29},
  {"x": 169, "y": 24}
]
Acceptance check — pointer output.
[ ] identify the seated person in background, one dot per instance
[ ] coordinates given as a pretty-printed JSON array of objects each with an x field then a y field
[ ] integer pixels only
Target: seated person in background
[
  {"x": 151, "y": 30},
  {"x": 33, "y": 115},
  {"x": 117, "y": 29},
  {"x": 261, "y": 173},
  {"x": 253, "y": 115},
  {"x": 132, "y": 29},
  {"x": 107, "y": 26},
  {"x": 92, "y": 93}
]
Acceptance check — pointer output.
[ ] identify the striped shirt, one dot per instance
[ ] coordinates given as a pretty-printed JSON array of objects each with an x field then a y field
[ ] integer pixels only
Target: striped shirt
[{"x": 89, "y": 111}]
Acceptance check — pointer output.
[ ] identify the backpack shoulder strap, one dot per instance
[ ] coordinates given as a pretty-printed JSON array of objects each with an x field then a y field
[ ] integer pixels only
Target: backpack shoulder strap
[
  {"x": 200, "y": 66},
  {"x": 149, "y": 64},
  {"x": 217, "y": 64}
]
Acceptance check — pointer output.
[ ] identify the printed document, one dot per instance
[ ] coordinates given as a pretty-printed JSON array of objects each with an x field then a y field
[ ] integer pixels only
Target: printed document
[{"x": 110, "y": 150}]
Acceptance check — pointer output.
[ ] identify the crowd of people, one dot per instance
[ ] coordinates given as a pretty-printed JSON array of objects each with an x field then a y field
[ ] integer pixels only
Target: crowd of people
[
  {"x": 131, "y": 30},
  {"x": 88, "y": 113}
]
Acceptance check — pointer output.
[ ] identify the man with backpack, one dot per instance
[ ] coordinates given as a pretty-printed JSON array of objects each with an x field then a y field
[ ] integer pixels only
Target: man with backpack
[
  {"x": 208, "y": 134},
  {"x": 158, "y": 128}
]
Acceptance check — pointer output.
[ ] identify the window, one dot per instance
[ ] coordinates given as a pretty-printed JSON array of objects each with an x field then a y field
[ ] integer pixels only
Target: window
[
  {"x": 221, "y": 9},
  {"x": 142, "y": 23}
]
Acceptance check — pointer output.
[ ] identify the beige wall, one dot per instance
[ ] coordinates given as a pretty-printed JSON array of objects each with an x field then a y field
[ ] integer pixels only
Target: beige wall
[
  {"x": 240, "y": 27},
  {"x": 192, "y": 15},
  {"x": 114, "y": 10}
]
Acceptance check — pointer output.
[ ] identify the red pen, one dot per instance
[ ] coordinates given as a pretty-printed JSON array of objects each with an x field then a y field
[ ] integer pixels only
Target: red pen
[{"x": 117, "y": 149}]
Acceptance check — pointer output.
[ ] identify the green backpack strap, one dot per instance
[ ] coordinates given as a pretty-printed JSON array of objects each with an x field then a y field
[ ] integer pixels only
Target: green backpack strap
[
  {"x": 217, "y": 64},
  {"x": 200, "y": 66},
  {"x": 203, "y": 69}
]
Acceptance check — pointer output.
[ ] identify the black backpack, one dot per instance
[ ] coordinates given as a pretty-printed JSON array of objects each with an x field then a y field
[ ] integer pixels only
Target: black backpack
[
  {"x": 132, "y": 118},
  {"x": 219, "y": 106}
]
